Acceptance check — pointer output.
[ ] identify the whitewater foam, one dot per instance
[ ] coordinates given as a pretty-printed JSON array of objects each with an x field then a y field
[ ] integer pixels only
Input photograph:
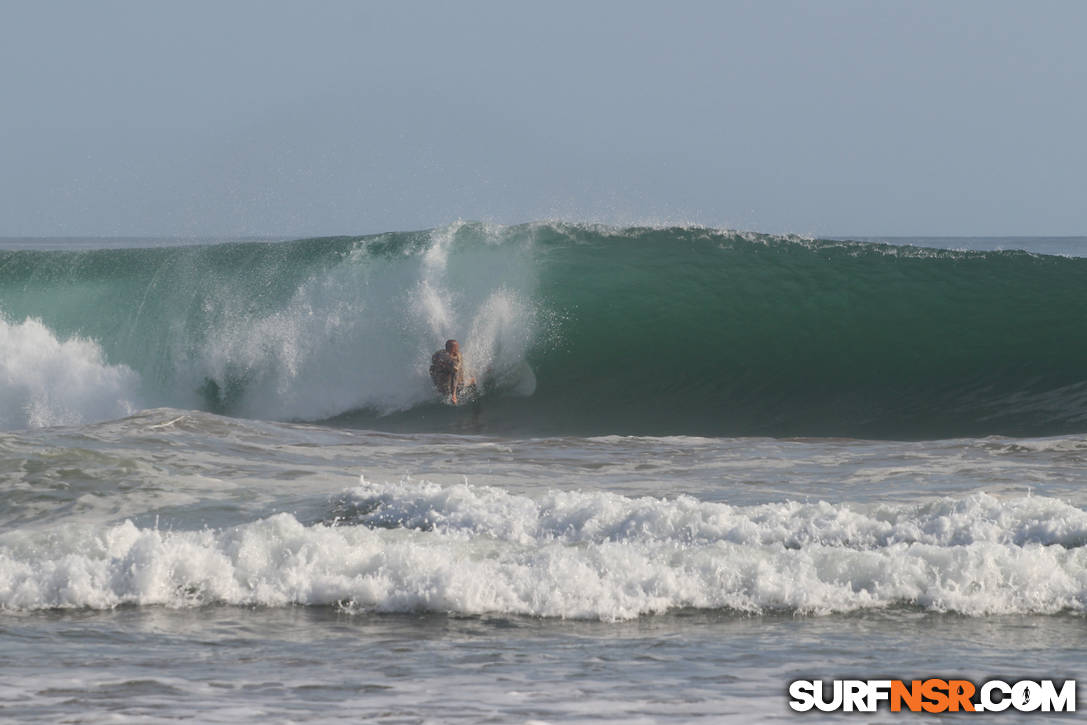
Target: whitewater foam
[
  {"x": 45, "y": 381},
  {"x": 577, "y": 517},
  {"x": 359, "y": 335},
  {"x": 411, "y": 546},
  {"x": 750, "y": 334}
]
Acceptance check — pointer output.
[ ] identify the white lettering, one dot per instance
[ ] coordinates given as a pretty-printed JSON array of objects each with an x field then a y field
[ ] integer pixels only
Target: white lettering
[
  {"x": 803, "y": 694},
  {"x": 1026, "y": 696},
  {"x": 854, "y": 695},
  {"x": 992, "y": 696},
  {"x": 988, "y": 704},
  {"x": 878, "y": 690},
  {"x": 834, "y": 703},
  {"x": 1064, "y": 701}
]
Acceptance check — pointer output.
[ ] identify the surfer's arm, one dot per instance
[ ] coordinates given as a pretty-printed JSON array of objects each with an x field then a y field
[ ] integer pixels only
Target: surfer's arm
[{"x": 459, "y": 383}]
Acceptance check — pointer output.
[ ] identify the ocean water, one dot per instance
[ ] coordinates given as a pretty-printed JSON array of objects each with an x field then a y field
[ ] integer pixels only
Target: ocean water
[{"x": 700, "y": 464}]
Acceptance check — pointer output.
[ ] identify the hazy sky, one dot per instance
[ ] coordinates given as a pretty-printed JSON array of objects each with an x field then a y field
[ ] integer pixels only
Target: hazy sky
[{"x": 306, "y": 118}]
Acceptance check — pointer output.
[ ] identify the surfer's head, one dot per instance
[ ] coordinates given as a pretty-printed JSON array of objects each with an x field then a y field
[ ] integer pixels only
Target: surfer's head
[{"x": 452, "y": 347}]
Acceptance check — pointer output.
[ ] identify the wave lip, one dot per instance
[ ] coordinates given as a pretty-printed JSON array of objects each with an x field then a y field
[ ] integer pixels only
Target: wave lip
[
  {"x": 474, "y": 550},
  {"x": 583, "y": 329}
]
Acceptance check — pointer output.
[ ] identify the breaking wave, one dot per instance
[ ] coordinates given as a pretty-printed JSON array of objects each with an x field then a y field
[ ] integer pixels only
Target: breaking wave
[
  {"x": 570, "y": 328},
  {"x": 416, "y": 546}
]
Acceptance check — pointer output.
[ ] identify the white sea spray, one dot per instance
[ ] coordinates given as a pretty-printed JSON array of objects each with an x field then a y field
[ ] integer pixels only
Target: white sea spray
[
  {"x": 47, "y": 381},
  {"x": 418, "y": 546}
]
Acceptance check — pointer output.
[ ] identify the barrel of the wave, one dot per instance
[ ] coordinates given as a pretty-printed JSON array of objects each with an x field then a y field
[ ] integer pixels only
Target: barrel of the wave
[
  {"x": 588, "y": 329},
  {"x": 699, "y": 332}
]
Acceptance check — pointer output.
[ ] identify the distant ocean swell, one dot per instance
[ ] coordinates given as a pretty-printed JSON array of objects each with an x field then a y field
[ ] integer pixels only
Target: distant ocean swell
[
  {"x": 571, "y": 328},
  {"x": 414, "y": 546}
]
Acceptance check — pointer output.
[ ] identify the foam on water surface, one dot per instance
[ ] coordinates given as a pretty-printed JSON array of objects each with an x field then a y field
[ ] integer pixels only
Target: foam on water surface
[
  {"x": 519, "y": 559},
  {"x": 471, "y": 550}
]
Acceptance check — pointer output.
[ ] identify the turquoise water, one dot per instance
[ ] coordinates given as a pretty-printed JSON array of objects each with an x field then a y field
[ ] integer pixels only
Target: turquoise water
[
  {"x": 572, "y": 329},
  {"x": 228, "y": 494}
]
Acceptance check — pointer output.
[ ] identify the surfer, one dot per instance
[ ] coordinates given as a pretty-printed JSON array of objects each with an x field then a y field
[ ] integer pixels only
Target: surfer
[{"x": 447, "y": 370}]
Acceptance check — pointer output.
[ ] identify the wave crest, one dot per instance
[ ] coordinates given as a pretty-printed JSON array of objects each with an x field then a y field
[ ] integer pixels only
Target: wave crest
[
  {"x": 586, "y": 330},
  {"x": 474, "y": 550}
]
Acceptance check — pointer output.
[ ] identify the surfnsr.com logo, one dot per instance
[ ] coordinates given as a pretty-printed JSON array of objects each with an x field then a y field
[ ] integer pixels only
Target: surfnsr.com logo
[{"x": 933, "y": 695}]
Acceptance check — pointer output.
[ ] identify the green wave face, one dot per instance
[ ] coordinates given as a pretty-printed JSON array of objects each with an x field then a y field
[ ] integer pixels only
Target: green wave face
[
  {"x": 695, "y": 332},
  {"x": 581, "y": 329}
]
